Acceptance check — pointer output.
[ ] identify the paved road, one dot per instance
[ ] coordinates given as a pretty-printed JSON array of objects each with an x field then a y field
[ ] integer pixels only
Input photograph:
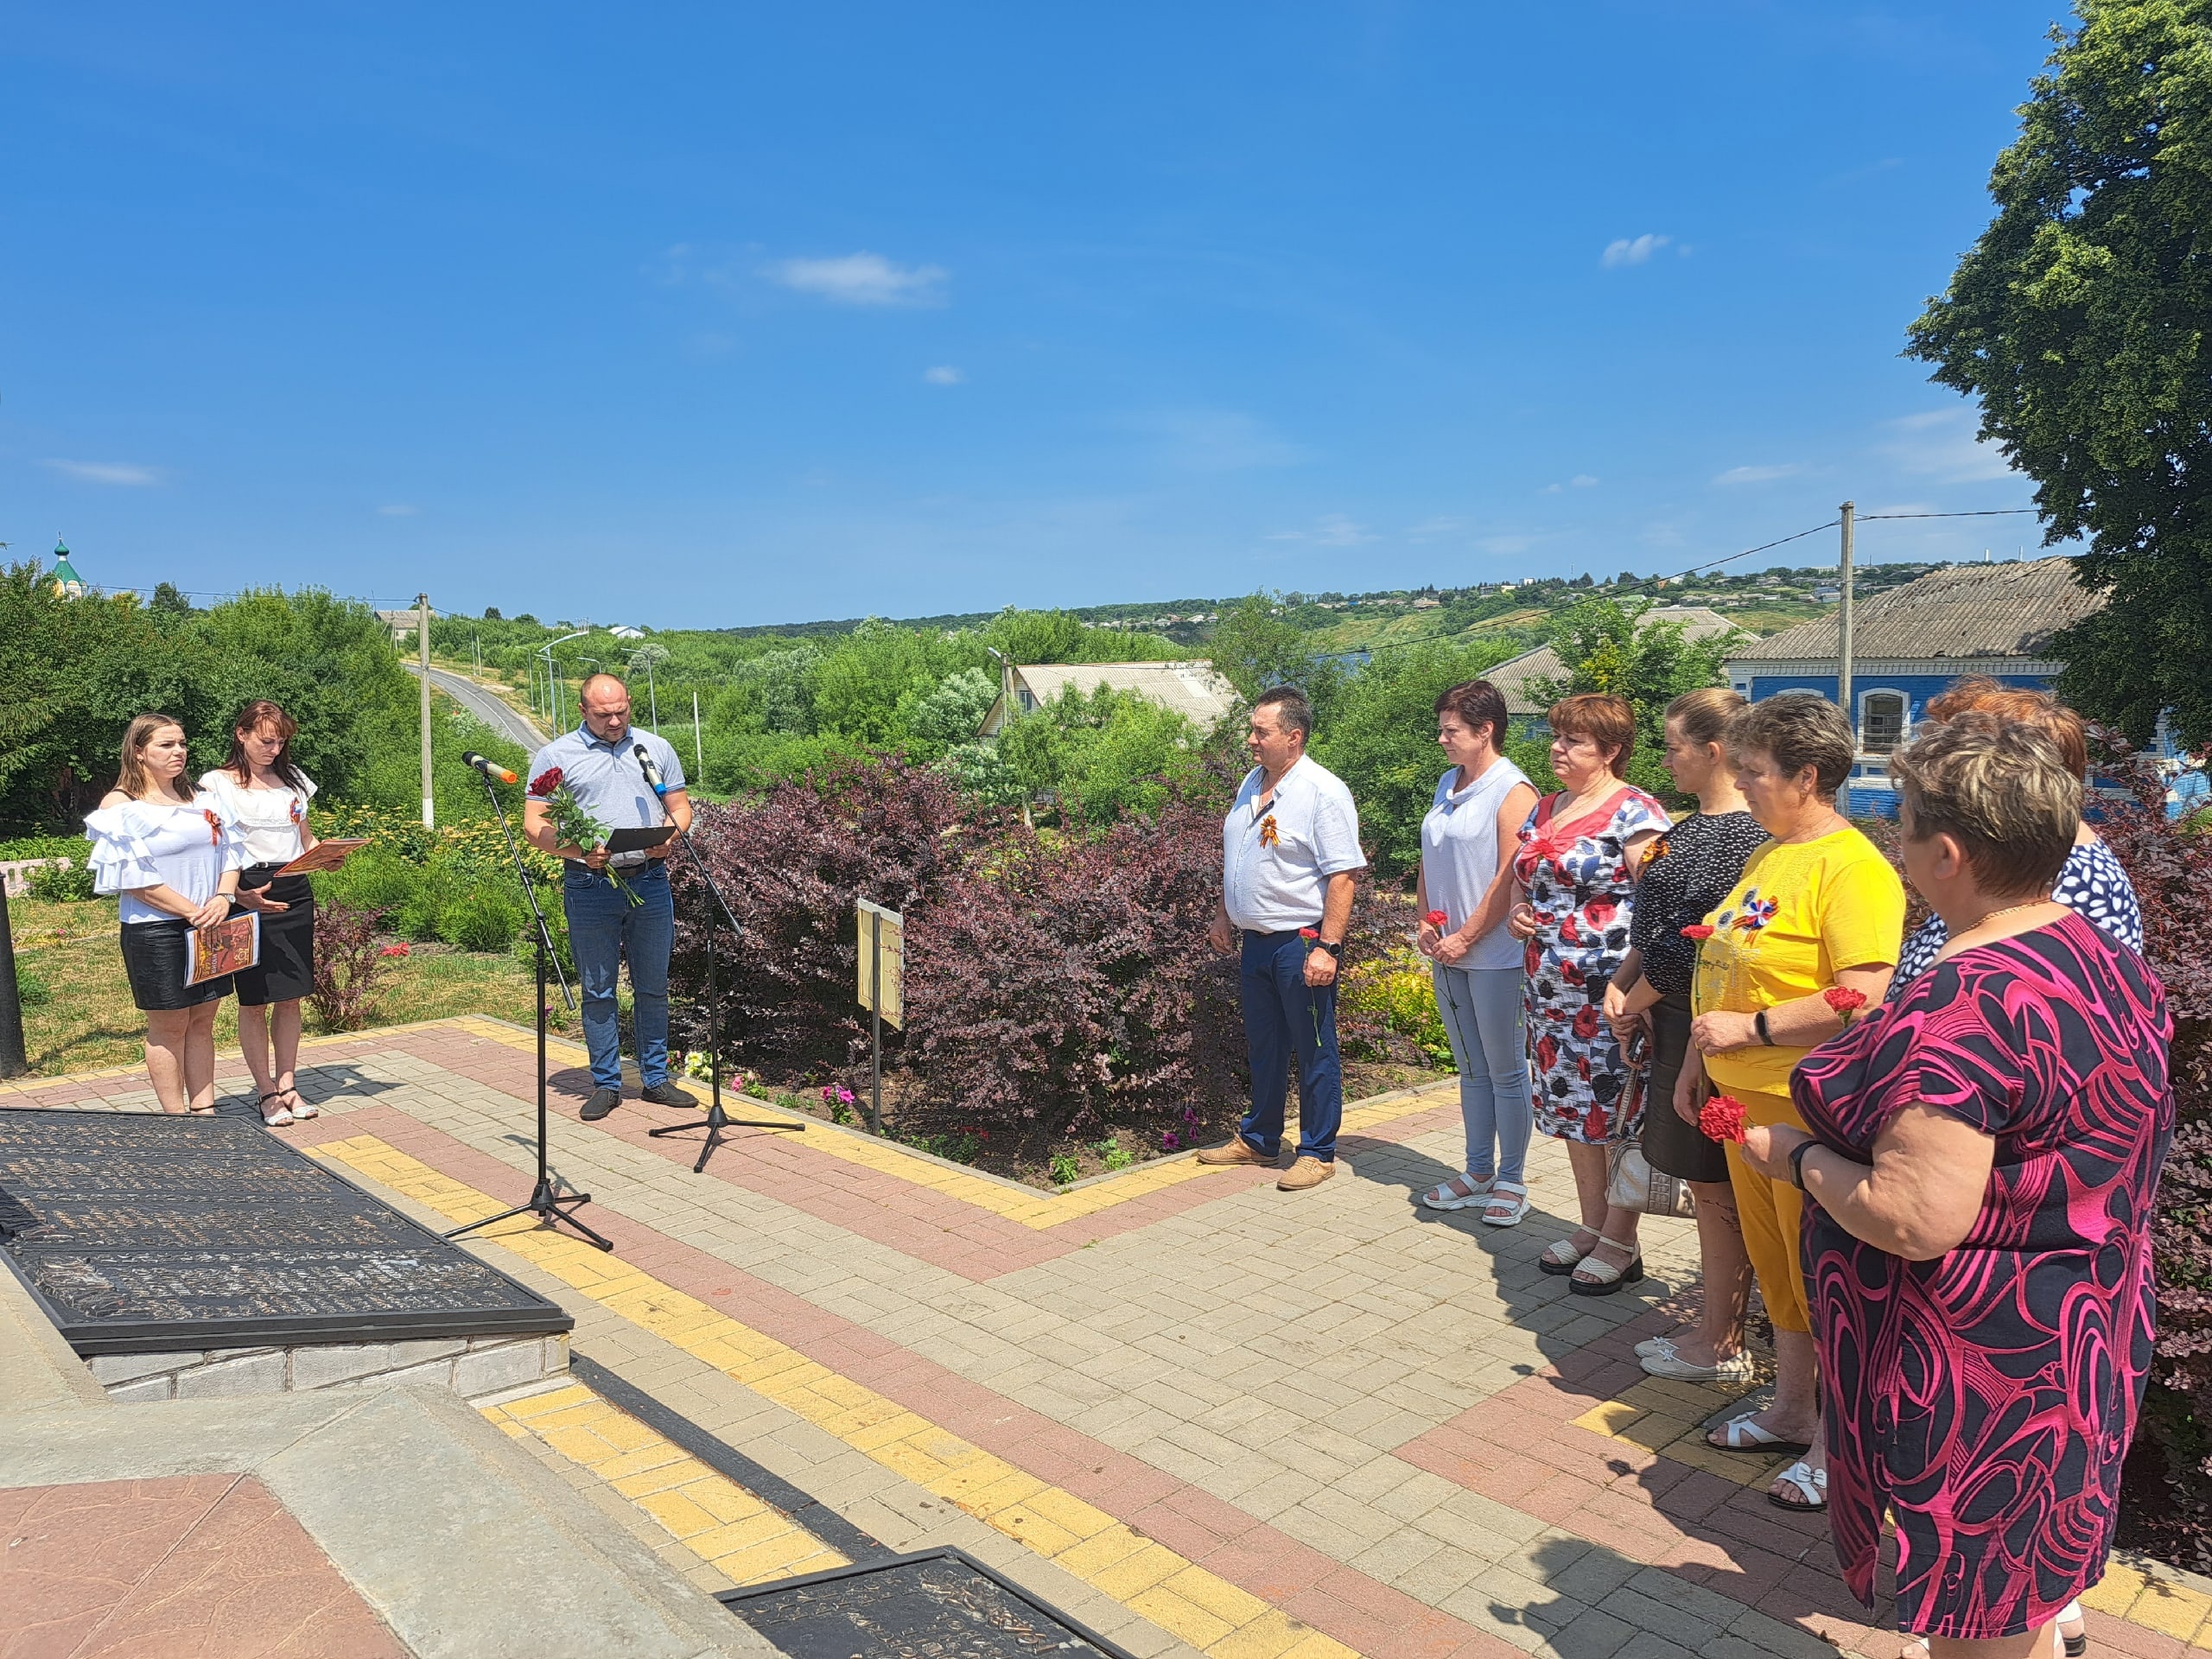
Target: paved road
[{"x": 486, "y": 707}]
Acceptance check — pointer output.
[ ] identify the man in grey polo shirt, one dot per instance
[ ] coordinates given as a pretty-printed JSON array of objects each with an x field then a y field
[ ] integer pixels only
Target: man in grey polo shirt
[
  {"x": 1289, "y": 848},
  {"x": 599, "y": 763}
]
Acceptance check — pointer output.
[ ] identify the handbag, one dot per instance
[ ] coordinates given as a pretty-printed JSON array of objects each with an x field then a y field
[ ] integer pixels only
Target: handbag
[{"x": 1631, "y": 1182}]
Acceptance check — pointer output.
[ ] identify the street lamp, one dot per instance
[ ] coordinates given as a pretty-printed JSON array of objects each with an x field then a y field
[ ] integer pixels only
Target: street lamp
[
  {"x": 647, "y": 656},
  {"x": 553, "y": 684}
]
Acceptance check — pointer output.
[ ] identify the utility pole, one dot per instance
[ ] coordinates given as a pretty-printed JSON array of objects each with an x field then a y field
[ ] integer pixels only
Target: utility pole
[
  {"x": 698, "y": 752},
  {"x": 1849, "y": 513},
  {"x": 423, "y": 641},
  {"x": 13, "y": 1061}
]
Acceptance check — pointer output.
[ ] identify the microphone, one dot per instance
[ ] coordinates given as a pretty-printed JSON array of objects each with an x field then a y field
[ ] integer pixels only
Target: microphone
[
  {"x": 490, "y": 768},
  {"x": 652, "y": 771}
]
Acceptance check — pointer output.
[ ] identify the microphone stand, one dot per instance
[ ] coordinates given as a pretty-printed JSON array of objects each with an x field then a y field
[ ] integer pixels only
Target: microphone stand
[
  {"x": 717, "y": 1122},
  {"x": 547, "y": 1202}
]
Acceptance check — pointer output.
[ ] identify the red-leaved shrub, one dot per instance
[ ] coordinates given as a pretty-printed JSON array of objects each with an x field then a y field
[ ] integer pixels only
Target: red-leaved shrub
[{"x": 350, "y": 970}]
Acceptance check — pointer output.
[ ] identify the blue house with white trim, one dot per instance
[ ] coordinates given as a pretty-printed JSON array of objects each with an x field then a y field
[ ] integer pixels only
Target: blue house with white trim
[{"x": 1911, "y": 642}]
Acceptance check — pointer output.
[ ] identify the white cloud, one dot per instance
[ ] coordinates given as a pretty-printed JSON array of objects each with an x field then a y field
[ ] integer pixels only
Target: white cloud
[
  {"x": 863, "y": 279},
  {"x": 1582, "y": 481},
  {"x": 1218, "y": 440},
  {"x": 1329, "y": 529},
  {"x": 1632, "y": 250},
  {"x": 119, "y": 472},
  {"x": 1940, "y": 444},
  {"x": 1507, "y": 545},
  {"x": 1421, "y": 532},
  {"x": 397, "y": 510},
  {"x": 1758, "y": 474},
  {"x": 944, "y": 375}
]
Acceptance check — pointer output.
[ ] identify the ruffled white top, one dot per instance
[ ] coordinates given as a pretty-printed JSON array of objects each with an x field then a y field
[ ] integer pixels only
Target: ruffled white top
[
  {"x": 269, "y": 819},
  {"x": 153, "y": 844}
]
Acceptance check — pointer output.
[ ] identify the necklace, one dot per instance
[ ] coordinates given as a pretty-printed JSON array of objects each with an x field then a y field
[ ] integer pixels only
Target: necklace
[{"x": 1990, "y": 916}]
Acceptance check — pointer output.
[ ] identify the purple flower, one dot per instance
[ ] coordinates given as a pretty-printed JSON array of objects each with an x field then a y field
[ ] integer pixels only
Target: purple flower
[{"x": 1169, "y": 1141}]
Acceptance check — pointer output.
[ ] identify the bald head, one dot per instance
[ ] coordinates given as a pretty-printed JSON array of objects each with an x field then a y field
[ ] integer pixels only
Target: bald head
[{"x": 605, "y": 703}]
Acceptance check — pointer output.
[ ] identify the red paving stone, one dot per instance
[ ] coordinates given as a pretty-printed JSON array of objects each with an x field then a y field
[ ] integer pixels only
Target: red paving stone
[{"x": 186, "y": 1567}]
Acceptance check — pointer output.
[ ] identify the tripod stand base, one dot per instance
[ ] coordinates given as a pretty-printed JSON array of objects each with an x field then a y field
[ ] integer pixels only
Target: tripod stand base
[
  {"x": 715, "y": 1121},
  {"x": 551, "y": 1207}
]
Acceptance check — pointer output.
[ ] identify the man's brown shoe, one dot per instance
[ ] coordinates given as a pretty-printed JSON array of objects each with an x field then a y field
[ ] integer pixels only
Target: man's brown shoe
[
  {"x": 1307, "y": 1171},
  {"x": 1238, "y": 1151}
]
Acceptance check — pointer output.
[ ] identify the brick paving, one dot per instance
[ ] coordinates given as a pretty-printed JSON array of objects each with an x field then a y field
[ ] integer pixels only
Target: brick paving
[{"x": 1200, "y": 1414}]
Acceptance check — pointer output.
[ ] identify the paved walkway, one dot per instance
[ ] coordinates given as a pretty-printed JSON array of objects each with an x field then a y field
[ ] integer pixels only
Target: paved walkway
[{"x": 1199, "y": 1413}]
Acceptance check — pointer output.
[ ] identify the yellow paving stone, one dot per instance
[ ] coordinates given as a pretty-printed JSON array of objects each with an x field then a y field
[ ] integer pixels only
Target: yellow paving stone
[
  {"x": 1218, "y": 1596},
  {"x": 1090, "y": 1558},
  {"x": 536, "y": 1405},
  {"x": 759, "y": 1527},
  {"x": 1010, "y": 1488},
  {"x": 1318, "y": 1646},
  {"x": 898, "y": 1425},
  {"x": 1181, "y": 1619},
  {"x": 669, "y": 1477},
  {"x": 1020, "y": 1520},
  {"x": 2116, "y": 1592},
  {"x": 577, "y": 1444},
  {"x": 728, "y": 1501},
  {"x": 645, "y": 1460},
  {"x": 776, "y": 1558},
  {"x": 1271, "y": 1636},
  {"x": 1692, "y": 1450},
  {"x": 1070, "y": 1513},
  {"x": 678, "y": 1513},
  {"x": 1653, "y": 1432},
  {"x": 2170, "y": 1609},
  {"x": 1140, "y": 1571},
  {"x": 1608, "y": 1418}
]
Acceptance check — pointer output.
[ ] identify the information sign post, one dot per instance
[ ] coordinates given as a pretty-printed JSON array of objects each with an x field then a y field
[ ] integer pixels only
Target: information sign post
[{"x": 882, "y": 937}]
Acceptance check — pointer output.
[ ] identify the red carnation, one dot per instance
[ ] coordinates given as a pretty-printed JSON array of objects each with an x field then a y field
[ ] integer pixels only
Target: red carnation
[
  {"x": 1437, "y": 919},
  {"x": 1843, "y": 999},
  {"x": 1699, "y": 931},
  {"x": 546, "y": 781},
  {"x": 1309, "y": 932},
  {"x": 1721, "y": 1118}
]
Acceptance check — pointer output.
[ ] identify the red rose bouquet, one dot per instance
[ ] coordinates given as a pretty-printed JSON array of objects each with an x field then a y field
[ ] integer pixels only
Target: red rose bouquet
[
  {"x": 1721, "y": 1118},
  {"x": 572, "y": 825}
]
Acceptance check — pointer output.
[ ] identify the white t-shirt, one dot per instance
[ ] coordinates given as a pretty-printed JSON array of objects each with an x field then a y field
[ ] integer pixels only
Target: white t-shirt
[
  {"x": 1458, "y": 858},
  {"x": 1276, "y": 863},
  {"x": 156, "y": 844},
  {"x": 269, "y": 819}
]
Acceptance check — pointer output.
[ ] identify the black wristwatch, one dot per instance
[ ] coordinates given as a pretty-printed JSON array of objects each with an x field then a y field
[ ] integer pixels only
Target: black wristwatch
[
  {"x": 1759, "y": 1024},
  {"x": 1336, "y": 949},
  {"x": 1797, "y": 1163}
]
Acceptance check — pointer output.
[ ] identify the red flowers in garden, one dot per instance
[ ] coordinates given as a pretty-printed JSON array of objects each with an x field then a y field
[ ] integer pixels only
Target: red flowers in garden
[
  {"x": 1721, "y": 1118},
  {"x": 399, "y": 950}
]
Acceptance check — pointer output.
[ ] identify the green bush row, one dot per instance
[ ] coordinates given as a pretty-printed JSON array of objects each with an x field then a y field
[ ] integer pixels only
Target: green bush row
[{"x": 455, "y": 895}]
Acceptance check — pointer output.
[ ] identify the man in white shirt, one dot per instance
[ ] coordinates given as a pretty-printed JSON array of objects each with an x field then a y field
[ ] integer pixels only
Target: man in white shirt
[{"x": 1289, "y": 848}]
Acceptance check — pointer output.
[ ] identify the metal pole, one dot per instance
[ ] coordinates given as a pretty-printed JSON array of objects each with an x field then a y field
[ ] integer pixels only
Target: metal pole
[
  {"x": 422, "y": 643},
  {"x": 698, "y": 752},
  {"x": 652, "y": 696},
  {"x": 13, "y": 1060},
  {"x": 875, "y": 997},
  {"x": 1849, "y": 512}
]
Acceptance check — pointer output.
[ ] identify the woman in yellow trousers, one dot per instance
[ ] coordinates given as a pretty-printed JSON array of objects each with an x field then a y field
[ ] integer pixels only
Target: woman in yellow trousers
[{"x": 1817, "y": 909}]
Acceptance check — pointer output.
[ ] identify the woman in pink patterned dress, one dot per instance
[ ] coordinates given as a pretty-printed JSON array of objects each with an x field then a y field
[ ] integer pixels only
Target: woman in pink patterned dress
[
  {"x": 1573, "y": 879},
  {"x": 1981, "y": 1174}
]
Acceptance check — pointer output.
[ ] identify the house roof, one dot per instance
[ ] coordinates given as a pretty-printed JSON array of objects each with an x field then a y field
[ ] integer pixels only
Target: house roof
[
  {"x": 1516, "y": 677},
  {"x": 1968, "y": 611},
  {"x": 1194, "y": 689}
]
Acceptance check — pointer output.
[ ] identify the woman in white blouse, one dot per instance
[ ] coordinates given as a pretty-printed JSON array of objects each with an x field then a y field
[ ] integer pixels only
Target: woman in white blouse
[
  {"x": 173, "y": 859},
  {"x": 261, "y": 787}
]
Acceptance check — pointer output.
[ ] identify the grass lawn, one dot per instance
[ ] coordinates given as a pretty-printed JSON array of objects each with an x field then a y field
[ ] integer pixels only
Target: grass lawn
[{"x": 85, "y": 1019}]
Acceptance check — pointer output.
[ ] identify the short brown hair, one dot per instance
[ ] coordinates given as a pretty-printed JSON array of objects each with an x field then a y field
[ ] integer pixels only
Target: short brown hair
[
  {"x": 1705, "y": 713},
  {"x": 1797, "y": 729},
  {"x": 1479, "y": 704},
  {"x": 2003, "y": 788},
  {"x": 1610, "y": 722},
  {"x": 1293, "y": 712},
  {"x": 2021, "y": 705}
]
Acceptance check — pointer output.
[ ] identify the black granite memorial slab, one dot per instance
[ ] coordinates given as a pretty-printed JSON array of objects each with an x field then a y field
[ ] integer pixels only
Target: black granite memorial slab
[
  {"x": 943, "y": 1603},
  {"x": 141, "y": 1234}
]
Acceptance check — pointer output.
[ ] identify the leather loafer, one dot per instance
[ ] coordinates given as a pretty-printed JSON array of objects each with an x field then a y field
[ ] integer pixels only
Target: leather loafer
[
  {"x": 602, "y": 1101},
  {"x": 1307, "y": 1171},
  {"x": 1238, "y": 1151},
  {"x": 667, "y": 1094}
]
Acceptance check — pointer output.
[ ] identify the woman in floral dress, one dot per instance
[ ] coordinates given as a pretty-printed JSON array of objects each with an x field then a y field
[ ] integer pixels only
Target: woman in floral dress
[{"x": 1573, "y": 879}]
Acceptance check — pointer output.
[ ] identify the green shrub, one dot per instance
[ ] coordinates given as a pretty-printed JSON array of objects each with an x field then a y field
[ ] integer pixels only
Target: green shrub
[
  {"x": 1065, "y": 1169},
  {"x": 1398, "y": 993},
  {"x": 53, "y": 884},
  {"x": 482, "y": 917},
  {"x": 74, "y": 847},
  {"x": 373, "y": 879},
  {"x": 31, "y": 991}
]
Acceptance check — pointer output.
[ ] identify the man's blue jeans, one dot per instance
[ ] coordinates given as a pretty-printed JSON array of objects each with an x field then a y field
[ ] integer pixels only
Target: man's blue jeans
[
  {"x": 604, "y": 928},
  {"x": 1285, "y": 1017}
]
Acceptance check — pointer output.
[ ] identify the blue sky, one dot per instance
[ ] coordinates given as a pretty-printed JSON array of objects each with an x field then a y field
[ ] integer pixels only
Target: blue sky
[{"x": 718, "y": 315}]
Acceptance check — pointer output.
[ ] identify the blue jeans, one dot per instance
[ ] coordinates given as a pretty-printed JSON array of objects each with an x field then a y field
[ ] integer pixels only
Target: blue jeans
[
  {"x": 1285, "y": 1017},
  {"x": 604, "y": 928},
  {"x": 1483, "y": 1013}
]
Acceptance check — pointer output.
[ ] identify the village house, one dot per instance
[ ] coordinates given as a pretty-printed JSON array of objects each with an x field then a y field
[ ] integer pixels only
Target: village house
[{"x": 1194, "y": 689}]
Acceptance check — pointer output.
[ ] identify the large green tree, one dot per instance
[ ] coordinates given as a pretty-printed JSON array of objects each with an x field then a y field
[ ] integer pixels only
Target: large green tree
[
  {"x": 1609, "y": 647},
  {"x": 2082, "y": 320}
]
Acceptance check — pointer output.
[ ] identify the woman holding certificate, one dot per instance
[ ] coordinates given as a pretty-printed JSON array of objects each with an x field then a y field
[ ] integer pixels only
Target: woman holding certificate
[
  {"x": 260, "y": 788},
  {"x": 173, "y": 859}
]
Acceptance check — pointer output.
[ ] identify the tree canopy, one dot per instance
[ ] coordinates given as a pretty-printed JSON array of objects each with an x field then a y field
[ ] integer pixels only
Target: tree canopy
[{"x": 2082, "y": 320}]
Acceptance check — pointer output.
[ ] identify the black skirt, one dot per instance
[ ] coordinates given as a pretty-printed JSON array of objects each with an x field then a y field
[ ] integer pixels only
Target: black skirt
[
  {"x": 1673, "y": 1147},
  {"x": 156, "y": 956},
  {"x": 286, "y": 971}
]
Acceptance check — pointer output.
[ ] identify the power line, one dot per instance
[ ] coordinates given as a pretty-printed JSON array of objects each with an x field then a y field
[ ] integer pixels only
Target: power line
[{"x": 1986, "y": 512}]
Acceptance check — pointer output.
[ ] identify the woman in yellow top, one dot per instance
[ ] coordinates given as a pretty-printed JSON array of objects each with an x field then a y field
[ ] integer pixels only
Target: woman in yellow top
[{"x": 1818, "y": 908}]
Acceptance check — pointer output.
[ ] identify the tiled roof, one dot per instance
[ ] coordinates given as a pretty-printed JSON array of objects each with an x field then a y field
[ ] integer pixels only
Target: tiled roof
[
  {"x": 1515, "y": 677},
  {"x": 1194, "y": 689},
  {"x": 1971, "y": 610}
]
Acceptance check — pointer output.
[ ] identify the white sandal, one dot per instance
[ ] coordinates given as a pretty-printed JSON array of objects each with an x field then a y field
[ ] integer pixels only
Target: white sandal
[
  {"x": 1810, "y": 1484},
  {"x": 1459, "y": 1193},
  {"x": 1509, "y": 1202},
  {"x": 1561, "y": 1258},
  {"x": 301, "y": 1109},
  {"x": 1743, "y": 1436},
  {"x": 1596, "y": 1278}
]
